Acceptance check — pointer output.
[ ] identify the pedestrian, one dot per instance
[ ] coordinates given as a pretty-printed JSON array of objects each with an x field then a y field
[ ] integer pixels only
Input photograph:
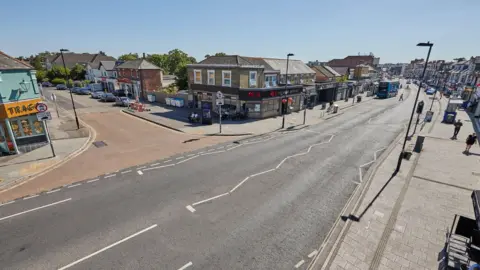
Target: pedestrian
[
  {"x": 471, "y": 139},
  {"x": 456, "y": 129},
  {"x": 401, "y": 97}
]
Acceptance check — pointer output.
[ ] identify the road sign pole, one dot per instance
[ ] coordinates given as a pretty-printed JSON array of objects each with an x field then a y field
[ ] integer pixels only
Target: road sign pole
[
  {"x": 48, "y": 137},
  {"x": 220, "y": 112}
]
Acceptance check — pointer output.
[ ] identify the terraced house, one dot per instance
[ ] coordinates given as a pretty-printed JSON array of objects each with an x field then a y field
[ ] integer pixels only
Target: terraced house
[
  {"x": 20, "y": 131},
  {"x": 259, "y": 85}
]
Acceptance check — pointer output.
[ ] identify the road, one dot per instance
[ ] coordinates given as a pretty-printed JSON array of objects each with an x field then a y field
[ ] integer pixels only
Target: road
[{"x": 270, "y": 202}]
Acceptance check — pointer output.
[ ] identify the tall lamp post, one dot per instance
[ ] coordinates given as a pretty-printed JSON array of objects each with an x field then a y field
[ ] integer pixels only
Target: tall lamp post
[
  {"x": 68, "y": 79},
  {"x": 400, "y": 158},
  {"x": 286, "y": 91}
]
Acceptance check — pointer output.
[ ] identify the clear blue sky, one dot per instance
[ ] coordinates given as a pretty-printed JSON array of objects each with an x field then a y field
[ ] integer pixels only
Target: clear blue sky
[{"x": 312, "y": 29}]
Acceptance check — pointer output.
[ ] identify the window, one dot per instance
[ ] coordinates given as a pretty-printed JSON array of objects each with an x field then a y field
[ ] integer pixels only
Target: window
[
  {"x": 197, "y": 76},
  {"x": 270, "y": 80},
  {"x": 226, "y": 78},
  {"x": 0, "y": 76},
  {"x": 26, "y": 127},
  {"x": 252, "y": 80},
  {"x": 211, "y": 77}
]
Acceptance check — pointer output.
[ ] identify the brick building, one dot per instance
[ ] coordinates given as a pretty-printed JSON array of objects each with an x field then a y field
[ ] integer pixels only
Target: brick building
[
  {"x": 353, "y": 61},
  {"x": 139, "y": 76}
]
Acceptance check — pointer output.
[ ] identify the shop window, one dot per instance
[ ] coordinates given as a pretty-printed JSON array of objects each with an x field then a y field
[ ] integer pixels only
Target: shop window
[
  {"x": 197, "y": 76},
  {"x": 226, "y": 78},
  {"x": 211, "y": 77},
  {"x": 26, "y": 127},
  {"x": 253, "y": 79}
]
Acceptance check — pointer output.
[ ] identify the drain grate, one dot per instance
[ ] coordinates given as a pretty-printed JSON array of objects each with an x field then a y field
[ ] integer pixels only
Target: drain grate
[{"x": 99, "y": 144}]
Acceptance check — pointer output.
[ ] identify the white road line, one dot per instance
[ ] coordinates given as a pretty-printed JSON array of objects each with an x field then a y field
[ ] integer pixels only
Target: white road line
[
  {"x": 300, "y": 263},
  {"x": 158, "y": 167},
  {"x": 211, "y": 150},
  {"x": 313, "y": 253},
  {"x": 190, "y": 208},
  {"x": 185, "y": 160},
  {"x": 126, "y": 171},
  {"x": 108, "y": 247},
  {"x": 166, "y": 161},
  {"x": 355, "y": 182},
  {"x": 30, "y": 197},
  {"x": 34, "y": 209},
  {"x": 180, "y": 157},
  {"x": 360, "y": 174},
  {"x": 140, "y": 172},
  {"x": 210, "y": 199},
  {"x": 234, "y": 147},
  {"x": 239, "y": 184},
  {"x": 211, "y": 153},
  {"x": 93, "y": 180},
  {"x": 155, "y": 164},
  {"x": 201, "y": 152},
  {"x": 139, "y": 168},
  {"x": 3, "y": 204},
  {"x": 220, "y": 148},
  {"x": 108, "y": 176},
  {"x": 260, "y": 173},
  {"x": 190, "y": 155},
  {"x": 76, "y": 185},
  {"x": 366, "y": 164},
  {"x": 186, "y": 266}
]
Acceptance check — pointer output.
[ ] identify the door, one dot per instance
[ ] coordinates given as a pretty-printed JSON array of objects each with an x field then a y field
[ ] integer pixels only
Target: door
[{"x": 3, "y": 141}]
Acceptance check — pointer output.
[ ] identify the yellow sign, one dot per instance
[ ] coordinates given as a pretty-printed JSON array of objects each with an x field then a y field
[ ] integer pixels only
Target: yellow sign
[{"x": 19, "y": 108}]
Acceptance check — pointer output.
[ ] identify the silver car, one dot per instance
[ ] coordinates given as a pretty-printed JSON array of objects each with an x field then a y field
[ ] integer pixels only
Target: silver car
[{"x": 107, "y": 97}]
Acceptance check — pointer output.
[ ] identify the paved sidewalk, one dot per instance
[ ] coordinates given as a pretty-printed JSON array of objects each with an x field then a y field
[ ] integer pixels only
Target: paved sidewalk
[
  {"x": 177, "y": 119},
  {"x": 405, "y": 228}
]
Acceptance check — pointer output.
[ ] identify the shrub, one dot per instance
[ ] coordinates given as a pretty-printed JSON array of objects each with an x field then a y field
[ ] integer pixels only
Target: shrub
[{"x": 56, "y": 81}]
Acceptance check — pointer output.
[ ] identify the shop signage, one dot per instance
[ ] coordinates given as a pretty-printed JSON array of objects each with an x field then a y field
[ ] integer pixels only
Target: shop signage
[
  {"x": 124, "y": 80},
  {"x": 44, "y": 116},
  {"x": 41, "y": 107},
  {"x": 256, "y": 95},
  {"x": 322, "y": 86},
  {"x": 20, "y": 108}
]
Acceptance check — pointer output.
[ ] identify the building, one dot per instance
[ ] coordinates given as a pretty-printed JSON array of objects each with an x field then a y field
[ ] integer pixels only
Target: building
[
  {"x": 20, "y": 131},
  {"x": 139, "y": 76},
  {"x": 361, "y": 72},
  {"x": 354, "y": 60},
  {"x": 257, "y": 84},
  {"x": 103, "y": 72},
  {"x": 71, "y": 59}
]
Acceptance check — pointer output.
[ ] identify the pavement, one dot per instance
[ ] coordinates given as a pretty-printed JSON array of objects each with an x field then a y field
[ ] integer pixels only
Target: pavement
[
  {"x": 401, "y": 222},
  {"x": 263, "y": 202},
  {"x": 177, "y": 119}
]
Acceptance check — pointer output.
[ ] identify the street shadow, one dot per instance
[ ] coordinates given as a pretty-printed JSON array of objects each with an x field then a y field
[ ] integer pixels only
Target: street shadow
[
  {"x": 22, "y": 162},
  {"x": 359, "y": 217}
]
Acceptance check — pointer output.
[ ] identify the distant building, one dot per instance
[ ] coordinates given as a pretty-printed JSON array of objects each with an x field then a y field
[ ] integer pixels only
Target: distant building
[
  {"x": 354, "y": 60},
  {"x": 139, "y": 76},
  {"x": 71, "y": 59}
]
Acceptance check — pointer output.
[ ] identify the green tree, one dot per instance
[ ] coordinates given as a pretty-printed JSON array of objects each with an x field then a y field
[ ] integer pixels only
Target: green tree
[
  {"x": 159, "y": 60},
  {"x": 217, "y": 54},
  {"x": 57, "y": 72},
  {"x": 128, "y": 57},
  {"x": 78, "y": 72},
  {"x": 41, "y": 75},
  {"x": 181, "y": 78}
]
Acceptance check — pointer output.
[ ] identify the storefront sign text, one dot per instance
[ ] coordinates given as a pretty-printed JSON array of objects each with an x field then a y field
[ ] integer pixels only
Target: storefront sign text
[
  {"x": 20, "y": 108},
  {"x": 256, "y": 95}
]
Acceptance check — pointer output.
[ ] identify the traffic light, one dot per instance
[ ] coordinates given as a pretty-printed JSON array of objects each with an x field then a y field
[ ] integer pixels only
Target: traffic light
[{"x": 420, "y": 107}]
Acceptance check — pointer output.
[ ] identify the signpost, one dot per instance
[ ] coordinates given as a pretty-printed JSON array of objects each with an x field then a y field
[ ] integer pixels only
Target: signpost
[
  {"x": 54, "y": 99},
  {"x": 43, "y": 116},
  {"x": 220, "y": 101}
]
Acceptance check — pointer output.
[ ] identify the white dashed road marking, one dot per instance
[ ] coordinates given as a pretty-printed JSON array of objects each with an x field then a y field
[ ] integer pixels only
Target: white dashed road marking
[
  {"x": 140, "y": 172},
  {"x": 180, "y": 157},
  {"x": 300, "y": 263},
  {"x": 313, "y": 253},
  {"x": 34, "y": 209},
  {"x": 76, "y": 185},
  {"x": 166, "y": 161},
  {"x": 186, "y": 266},
  {"x": 191, "y": 209},
  {"x": 126, "y": 171},
  {"x": 93, "y": 180},
  {"x": 3, "y": 204},
  {"x": 30, "y": 197},
  {"x": 108, "y": 176}
]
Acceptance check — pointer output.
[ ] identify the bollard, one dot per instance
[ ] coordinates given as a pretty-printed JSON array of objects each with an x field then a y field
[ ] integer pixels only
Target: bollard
[{"x": 419, "y": 144}]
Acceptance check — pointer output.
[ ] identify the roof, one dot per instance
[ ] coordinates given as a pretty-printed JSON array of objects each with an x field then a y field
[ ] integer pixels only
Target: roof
[
  {"x": 325, "y": 71},
  {"x": 294, "y": 66},
  {"x": 71, "y": 59},
  {"x": 108, "y": 65},
  {"x": 138, "y": 64},
  {"x": 331, "y": 70},
  {"x": 341, "y": 70},
  {"x": 8, "y": 62}
]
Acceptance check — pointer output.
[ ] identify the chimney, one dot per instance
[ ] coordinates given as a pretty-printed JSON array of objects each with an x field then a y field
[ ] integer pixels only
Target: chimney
[{"x": 143, "y": 55}]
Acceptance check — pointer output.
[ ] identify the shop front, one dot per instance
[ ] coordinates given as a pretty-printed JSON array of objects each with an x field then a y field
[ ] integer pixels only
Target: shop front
[
  {"x": 107, "y": 83},
  {"x": 325, "y": 91},
  {"x": 20, "y": 130},
  {"x": 264, "y": 103},
  {"x": 342, "y": 89},
  {"x": 130, "y": 86}
]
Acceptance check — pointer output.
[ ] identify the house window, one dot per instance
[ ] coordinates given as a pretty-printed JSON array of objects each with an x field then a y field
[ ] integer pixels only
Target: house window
[
  {"x": 270, "y": 80},
  {"x": 226, "y": 78},
  {"x": 252, "y": 80},
  {"x": 211, "y": 77},
  {"x": 197, "y": 76}
]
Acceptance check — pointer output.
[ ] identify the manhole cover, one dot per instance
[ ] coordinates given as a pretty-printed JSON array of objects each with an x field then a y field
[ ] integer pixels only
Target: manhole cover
[{"x": 99, "y": 144}]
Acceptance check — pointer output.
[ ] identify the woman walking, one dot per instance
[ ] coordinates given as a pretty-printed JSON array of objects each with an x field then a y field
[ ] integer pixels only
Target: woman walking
[{"x": 471, "y": 139}]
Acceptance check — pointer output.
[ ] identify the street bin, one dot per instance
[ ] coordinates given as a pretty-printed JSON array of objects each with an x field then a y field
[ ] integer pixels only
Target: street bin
[
  {"x": 324, "y": 106},
  {"x": 359, "y": 98},
  {"x": 335, "y": 108}
]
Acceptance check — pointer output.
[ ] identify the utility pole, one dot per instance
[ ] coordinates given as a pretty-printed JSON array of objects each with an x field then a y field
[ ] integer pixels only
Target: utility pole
[
  {"x": 286, "y": 91},
  {"x": 68, "y": 79}
]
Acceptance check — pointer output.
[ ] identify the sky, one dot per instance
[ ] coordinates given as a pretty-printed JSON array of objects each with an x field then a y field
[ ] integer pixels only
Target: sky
[{"x": 311, "y": 29}]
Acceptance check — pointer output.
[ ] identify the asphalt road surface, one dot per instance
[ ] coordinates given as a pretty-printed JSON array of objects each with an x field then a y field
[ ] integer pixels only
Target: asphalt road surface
[{"x": 270, "y": 203}]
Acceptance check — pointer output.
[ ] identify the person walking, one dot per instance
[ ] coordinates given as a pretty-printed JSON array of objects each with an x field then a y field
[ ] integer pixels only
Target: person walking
[
  {"x": 456, "y": 130},
  {"x": 471, "y": 139},
  {"x": 401, "y": 97}
]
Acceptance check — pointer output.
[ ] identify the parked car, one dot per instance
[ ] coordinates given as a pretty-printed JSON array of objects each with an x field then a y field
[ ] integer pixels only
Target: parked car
[
  {"x": 61, "y": 87},
  {"x": 75, "y": 90},
  {"x": 122, "y": 101},
  {"x": 97, "y": 94},
  {"x": 107, "y": 97},
  {"x": 83, "y": 91},
  {"x": 430, "y": 91},
  {"x": 47, "y": 84},
  {"x": 121, "y": 93}
]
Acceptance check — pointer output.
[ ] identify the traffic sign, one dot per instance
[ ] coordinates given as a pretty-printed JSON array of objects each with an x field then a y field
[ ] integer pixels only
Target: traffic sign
[
  {"x": 220, "y": 101},
  {"x": 44, "y": 116},
  {"x": 219, "y": 95},
  {"x": 41, "y": 107}
]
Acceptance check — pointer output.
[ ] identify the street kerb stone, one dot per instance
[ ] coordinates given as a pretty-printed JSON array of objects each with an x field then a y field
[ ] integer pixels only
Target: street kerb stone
[
  {"x": 30, "y": 177},
  {"x": 330, "y": 246}
]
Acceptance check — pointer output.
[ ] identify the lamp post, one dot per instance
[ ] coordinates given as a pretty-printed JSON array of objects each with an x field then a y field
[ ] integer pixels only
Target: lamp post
[
  {"x": 68, "y": 79},
  {"x": 400, "y": 158},
  {"x": 286, "y": 91},
  {"x": 304, "y": 105}
]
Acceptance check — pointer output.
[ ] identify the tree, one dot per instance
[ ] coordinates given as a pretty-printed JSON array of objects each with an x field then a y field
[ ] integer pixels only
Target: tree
[
  {"x": 78, "y": 72},
  {"x": 181, "y": 78},
  {"x": 217, "y": 54},
  {"x": 57, "y": 72},
  {"x": 159, "y": 60},
  {"x": 41, "y": 75},
  {"x": 128, "y": 57}
]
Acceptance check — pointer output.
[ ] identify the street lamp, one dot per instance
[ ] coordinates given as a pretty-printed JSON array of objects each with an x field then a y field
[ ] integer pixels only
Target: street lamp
[
  {"x": 68, "y": 79},
  {"x": 400, "y": 158},
  {"x": 286, "y": 91}
]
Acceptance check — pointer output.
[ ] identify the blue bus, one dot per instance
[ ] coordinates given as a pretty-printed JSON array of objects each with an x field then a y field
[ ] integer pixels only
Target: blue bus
[{"x": 388, "y": 89}]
